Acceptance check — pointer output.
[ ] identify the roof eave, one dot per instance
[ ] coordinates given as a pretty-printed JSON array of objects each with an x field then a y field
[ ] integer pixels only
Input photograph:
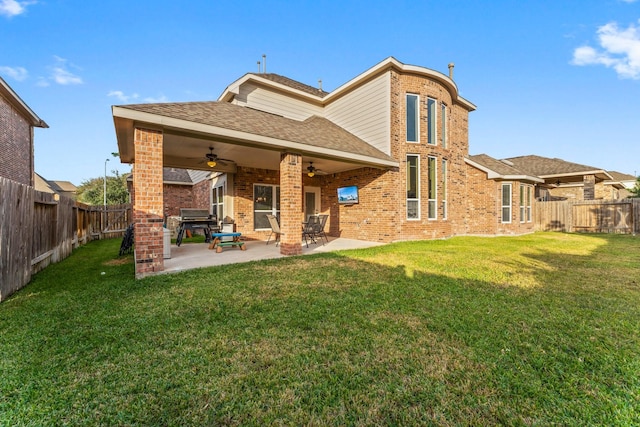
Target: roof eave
[
  {"x": 491, "y": 174},
  {"x": 20, "y": 105},
  {"x": 124, "y": 119}
]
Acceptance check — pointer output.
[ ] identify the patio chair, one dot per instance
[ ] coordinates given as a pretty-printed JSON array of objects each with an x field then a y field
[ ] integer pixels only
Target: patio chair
[
  {"x": 275, "y": 229},
  {"x": 319, "y": 228},
  {"x": 309, "y": 229}
]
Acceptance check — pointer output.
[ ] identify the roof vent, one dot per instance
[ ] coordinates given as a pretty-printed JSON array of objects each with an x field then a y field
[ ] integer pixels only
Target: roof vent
[
  {"x": 451, "y": 65},
  {"x": 320, "y": 85},
  {"x": 507, "y": 162}
]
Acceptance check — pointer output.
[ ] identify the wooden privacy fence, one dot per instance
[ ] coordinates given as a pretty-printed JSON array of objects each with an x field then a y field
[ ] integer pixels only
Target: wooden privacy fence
[
  {"x": 37, "y": 229},
  {"x": 589, "y": 216}
]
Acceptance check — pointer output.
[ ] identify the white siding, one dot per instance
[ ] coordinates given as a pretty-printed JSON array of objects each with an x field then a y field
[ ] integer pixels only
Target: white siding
[
  {"x": 366, "y": 112},
  {"x": 272, "y": 102}
]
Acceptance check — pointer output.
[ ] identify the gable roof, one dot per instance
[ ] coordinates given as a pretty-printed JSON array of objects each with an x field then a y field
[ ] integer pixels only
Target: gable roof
[
  {"x": 546, "y": 167},
  {"x": 294, "y": 84},
  {"x": 498, "y": 169},
  {"x": 315, "y": 134},
  {"x": 20, "y": 105},
  {"x": 316, "y": 96}
]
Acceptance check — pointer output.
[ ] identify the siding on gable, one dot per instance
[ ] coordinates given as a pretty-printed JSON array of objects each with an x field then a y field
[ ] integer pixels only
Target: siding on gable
[
  {"x": 366, "y": 112},
  {"x": 272, "y": 102}
]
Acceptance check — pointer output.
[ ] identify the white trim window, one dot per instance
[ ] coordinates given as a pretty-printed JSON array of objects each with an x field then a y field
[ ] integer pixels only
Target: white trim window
[
  {"x": 432, "y": 187},
  {"x": 217, "y": 201},
  {"x": 266, "y": 201},
  {"x": 443, "y": 118},
  {"x": 432, "y": 118},
  {"x": 413, "y": 117},
  {"x": 506, "y": 203},
  {"x": 413, "y": 187},
  {"x": 522, "y": 204},
  {"x": 444, "y": 188},
  {"x": 529, "y": 200}
]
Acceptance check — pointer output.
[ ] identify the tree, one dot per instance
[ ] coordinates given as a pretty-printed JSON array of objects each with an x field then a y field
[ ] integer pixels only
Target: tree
[
  {"x": 91, "y": 191},
  {"x": 636, "y": 190}
]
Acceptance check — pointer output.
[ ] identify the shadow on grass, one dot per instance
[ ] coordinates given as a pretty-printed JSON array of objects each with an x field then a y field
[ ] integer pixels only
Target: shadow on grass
[{"x": 326, "y": 339}]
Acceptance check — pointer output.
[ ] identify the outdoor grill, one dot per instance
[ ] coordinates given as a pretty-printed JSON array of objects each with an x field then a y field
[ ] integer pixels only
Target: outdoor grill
[{"x": 196, "y": 219}]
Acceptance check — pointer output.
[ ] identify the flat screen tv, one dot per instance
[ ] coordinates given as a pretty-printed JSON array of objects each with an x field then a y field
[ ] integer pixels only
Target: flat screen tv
[{"x": 348, "y": 195}]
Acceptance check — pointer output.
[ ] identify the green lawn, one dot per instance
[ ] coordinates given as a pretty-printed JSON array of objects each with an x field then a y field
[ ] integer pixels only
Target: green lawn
[{"x": 536, "y": 330}]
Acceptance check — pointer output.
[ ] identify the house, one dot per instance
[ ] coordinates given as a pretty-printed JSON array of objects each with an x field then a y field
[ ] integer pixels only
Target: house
[
  {"x": 17, "y": 122},
  {"x": 564, "y": 180},
  {"x": 619, "y": 187},
  {"x": 396, "y": 135},
  {"x": 61, "y": 188}
]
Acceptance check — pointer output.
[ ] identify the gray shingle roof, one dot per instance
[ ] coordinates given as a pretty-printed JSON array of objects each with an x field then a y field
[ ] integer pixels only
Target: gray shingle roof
[
  {"x": 293, "y": 84},
  {"x": 544, "y": 166},
  {"x": 495, "y": 165},
  {"x": 619, "y": 176},
  {"x": 314, "y": 131}
]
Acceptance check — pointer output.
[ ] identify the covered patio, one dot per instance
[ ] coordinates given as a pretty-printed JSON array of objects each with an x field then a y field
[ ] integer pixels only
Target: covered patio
[
  {"x": 236, "y": 138},
  {"x": 197, "y": 255}
]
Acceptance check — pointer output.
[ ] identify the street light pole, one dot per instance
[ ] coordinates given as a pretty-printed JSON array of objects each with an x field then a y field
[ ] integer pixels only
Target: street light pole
[{"x": 105, "y": 182}]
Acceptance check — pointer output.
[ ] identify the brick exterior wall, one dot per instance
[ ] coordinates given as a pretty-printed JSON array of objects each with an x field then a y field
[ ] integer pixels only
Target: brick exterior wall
[
  {"x": 148, "y": 213},
  {"x": 16, "y": 145},
  {"x": 474, "y": 202},
  {"x": 290, "y": 203}
]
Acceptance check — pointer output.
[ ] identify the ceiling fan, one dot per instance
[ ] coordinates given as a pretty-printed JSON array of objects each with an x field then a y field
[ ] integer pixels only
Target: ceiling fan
[
  {"x": 313, "y": 171},
  {"x": 212, "y": 159}
]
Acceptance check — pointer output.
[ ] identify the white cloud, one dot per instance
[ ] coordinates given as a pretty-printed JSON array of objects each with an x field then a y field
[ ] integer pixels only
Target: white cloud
[
  {"x": 620, "y": 50},
  {"x": 157, "y": 100},
  {"x": 12, "y": 7},
  {"x": 61, "y": 75},
  {"x": 121, "y": 96},
  {"x": 16, "y": 73}
]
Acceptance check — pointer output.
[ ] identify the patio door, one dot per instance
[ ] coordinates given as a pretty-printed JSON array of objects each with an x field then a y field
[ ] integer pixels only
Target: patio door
[{"x": 311, "y": 201}]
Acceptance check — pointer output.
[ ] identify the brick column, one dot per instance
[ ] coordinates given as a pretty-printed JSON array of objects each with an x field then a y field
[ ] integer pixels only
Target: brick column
[
  {"x": 148, "y": 204},
  {"x": 589, "y": 192},
  {"x": 291, "y": 204}
]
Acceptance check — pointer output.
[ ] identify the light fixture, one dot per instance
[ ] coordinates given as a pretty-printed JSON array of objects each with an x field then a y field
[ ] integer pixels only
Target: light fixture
[
  {"x": 311, "y": 169},
  {"x": 211, "y": 158}
]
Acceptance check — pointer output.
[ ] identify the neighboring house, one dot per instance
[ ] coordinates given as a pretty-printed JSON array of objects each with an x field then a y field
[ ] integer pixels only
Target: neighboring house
[
  {"x": 562, "y": 179},
  {"x": 181, "y": 189},
  {"x": 17, "y": 121},
  {"x": 62, "y": 188},
  {"x": 396, "y": 135},
  {"x": 621, "y": 184}
]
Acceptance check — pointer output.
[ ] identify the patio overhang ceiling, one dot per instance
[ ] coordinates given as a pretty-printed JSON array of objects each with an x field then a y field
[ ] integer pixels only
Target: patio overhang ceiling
[
  {"x": 243, "y": 137},
  {"x": 576, "y": 177}
]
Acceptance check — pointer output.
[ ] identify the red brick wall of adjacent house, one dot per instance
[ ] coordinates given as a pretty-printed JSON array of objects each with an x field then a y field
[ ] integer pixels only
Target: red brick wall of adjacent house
[
  {"x": 177, "y": 196},
  {"x": 16, "y": 145}
]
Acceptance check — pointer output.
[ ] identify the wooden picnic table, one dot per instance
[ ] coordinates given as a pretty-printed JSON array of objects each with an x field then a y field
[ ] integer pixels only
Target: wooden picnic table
[{"x": 218, "y": 244}]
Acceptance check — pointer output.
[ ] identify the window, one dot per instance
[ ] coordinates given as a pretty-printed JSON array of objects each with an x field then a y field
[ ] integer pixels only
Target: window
[
  {"x": 522, "y": 208},
  {"x": 444, "y": 189},
  {"x": 431, "y": 121},
  {"x": 413, "y": 118},
  {"x": 413, "y": 186},
  {"x": 433, "y": 184},
  {"x": 506, "y": 203},
  {"x": 266, "y": 201},
  {"x": 217, "y": 201},
  {"x": 443, "y": 117},
  {"x": 529, "y": 191}
]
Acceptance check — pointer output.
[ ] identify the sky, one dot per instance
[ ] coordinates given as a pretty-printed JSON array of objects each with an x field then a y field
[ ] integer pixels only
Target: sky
[{"x": 555, "y": 78}]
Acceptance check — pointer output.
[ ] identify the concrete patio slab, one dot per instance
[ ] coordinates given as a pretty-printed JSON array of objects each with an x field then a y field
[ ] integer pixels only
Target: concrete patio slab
[{"x": 196, "y": 255}]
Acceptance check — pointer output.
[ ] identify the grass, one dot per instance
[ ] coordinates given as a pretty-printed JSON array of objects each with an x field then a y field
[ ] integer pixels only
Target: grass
[{"x": 533, "y": 330}]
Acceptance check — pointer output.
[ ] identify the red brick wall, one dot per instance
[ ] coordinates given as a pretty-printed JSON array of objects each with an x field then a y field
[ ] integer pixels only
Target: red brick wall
[
  {"x": 148, "y": 206},
  {"x": 484, "y": 211},
  {"x": 16, "y": 145},
  {"x": 290, "y": 203}
]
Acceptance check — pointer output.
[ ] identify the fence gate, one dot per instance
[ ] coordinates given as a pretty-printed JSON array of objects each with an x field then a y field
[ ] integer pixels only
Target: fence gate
[{"x": 603, "y": 217}]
